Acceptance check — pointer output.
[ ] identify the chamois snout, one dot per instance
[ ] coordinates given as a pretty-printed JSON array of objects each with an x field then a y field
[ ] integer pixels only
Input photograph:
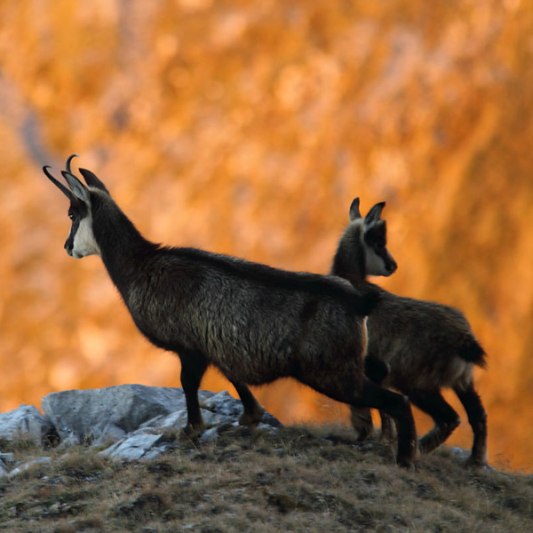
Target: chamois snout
[
  {"x": 390, "y": 265},
  {"x": 68, "y": 246}
]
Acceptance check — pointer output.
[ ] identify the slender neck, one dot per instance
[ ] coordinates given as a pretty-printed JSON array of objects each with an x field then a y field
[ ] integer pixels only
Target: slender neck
[
  {"x": 122, "y": 247},
  {"x": 349, "y": 260}
]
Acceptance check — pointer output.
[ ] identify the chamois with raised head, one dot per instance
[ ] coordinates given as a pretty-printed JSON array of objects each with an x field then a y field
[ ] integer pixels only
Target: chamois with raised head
[
  {"x": 253, "y": 322},
  {"x": 414, "y": 346}
]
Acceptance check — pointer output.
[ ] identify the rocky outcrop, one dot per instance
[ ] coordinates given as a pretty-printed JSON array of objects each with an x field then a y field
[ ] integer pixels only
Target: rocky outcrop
[
  {"x": 27, "y": 422},
  {"x": 130, "y": 422}
]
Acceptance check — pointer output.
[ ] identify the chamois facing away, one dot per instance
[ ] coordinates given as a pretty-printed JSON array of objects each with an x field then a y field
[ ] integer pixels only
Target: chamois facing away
[
  {"x": 425, "y": 346},
  {"x": 254, "y": 323}
]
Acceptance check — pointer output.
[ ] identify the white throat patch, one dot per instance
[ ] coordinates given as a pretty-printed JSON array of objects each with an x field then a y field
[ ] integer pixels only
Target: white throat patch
[{"x": 84, "y": 242}]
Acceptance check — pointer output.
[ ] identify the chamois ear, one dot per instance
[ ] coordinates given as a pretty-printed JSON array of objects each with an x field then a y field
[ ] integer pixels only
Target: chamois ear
[
  {"x": 76, "y": 186},
  {"x": 92, "y": 180},
  {"x": 354, "y": 210},
  {"x": 374, "y": 213}
]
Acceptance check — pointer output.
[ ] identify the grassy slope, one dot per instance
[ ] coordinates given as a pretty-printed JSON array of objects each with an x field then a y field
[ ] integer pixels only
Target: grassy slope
[{"x": 293, "y": 481}]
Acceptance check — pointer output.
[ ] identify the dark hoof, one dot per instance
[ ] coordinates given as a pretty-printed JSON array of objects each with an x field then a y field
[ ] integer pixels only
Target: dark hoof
[
  {"x": 406, "y": 462},
  {"x": 363, "y": 433},
  {"x": 475, "y": 463},
  {"x": 251, "y": 419},
  {"x": 425, "y": 448},
  {"x": 192, "y": 432},
  {"x": 407, "y": 456}
]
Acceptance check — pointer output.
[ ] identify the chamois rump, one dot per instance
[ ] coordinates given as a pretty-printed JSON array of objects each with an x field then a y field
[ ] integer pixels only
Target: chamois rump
[
  {"x": 416, "y": 347},
  {"x": 252, "y": 322}
]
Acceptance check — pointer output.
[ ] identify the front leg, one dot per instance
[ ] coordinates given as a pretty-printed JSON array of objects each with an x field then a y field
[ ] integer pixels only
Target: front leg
[{"x": 193, "y": 367}]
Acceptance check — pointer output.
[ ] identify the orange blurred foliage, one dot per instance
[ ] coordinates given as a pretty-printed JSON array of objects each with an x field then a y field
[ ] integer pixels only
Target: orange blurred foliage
[{"x": 247, "y": 128}]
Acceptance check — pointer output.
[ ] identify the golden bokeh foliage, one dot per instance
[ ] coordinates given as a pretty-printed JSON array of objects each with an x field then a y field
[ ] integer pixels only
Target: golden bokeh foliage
[{"x": 247, "y": 128}]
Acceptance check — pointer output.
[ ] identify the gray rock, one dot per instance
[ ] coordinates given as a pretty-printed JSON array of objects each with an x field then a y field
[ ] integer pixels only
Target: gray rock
[
  {"x": 459, "y": 453},
  {"x": 111, "y": 433},
  {"x": 25, "y": 466},
  {"x": 209, "y": 435},
  {"x": 27, "y": 422},
  {"x": 7, "y": 458},
  {"x": 217, "y": 409},
  {"x": 136, "y": 447},
  {"x": 134, "y": 418},
  {"x": 177, "y": 419},
  {"x": 85, "y": 416},
  {"x": 224, "y": 404}
]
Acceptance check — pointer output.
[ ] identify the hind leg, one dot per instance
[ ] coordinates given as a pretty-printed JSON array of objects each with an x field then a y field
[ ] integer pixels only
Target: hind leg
[
  {"x": 477, "y": 417},
  {"x": 361, "y": 420},
  {"x": 388, "y": 430},
  {"x": 252, "y": 410},
  {"x": 365, "y": 394},
  {"x": 193, "y": 367},
  {"x": 445, "y": 418},
  {"x": 396, "y": 406}
]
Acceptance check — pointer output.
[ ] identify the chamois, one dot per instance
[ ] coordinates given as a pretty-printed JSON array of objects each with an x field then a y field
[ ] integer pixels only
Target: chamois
[
  {"x": 252, "y": 322},
  {"x": 416, "y": 347}
]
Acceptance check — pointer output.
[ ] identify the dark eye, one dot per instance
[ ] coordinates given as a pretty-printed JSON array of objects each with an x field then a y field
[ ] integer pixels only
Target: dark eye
[{"x": 71, "y": 216}]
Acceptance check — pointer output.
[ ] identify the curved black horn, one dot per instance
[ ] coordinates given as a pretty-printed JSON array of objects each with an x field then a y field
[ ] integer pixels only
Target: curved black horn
[
  {"x": 57, "y": 183},
  {"x": 69, "y": 160}
]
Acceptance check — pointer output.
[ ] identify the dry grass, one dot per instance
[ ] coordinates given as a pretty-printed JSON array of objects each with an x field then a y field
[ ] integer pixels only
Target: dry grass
[{"x": 300, "y": 479}]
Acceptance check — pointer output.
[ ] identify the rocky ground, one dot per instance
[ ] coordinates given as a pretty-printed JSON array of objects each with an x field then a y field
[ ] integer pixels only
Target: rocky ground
[{"x": 114, "y": 460}]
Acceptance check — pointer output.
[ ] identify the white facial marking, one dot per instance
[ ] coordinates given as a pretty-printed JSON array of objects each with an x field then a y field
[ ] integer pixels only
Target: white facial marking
[
  {"x": 375, "y": 266},
  {"x": 84, "y": 241}
]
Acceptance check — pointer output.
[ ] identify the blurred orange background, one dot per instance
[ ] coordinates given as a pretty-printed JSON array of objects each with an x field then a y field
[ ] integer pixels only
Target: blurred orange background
[{"x": 247, "y": 128}]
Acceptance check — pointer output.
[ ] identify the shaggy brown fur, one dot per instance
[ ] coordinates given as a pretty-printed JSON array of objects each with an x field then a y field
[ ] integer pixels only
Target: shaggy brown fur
[{"x": 425, "y": 346}]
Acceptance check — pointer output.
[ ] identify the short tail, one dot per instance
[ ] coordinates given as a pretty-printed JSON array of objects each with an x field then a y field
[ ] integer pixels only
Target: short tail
[{"x": 472, "y": 352}]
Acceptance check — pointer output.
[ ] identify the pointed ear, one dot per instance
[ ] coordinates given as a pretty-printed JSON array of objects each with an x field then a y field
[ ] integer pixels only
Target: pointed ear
[
  {"x": 92, "y": 180},
  {"x": 76, "y": 186},
  {"x": 354, "y": 210},
  {"x": 374, "y": 213}
]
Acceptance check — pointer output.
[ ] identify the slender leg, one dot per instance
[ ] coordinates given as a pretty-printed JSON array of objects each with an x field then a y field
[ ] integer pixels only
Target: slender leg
[
  {"x": 445, "y": 418},
  {"x": 362, "y": 422},
  {"x": 477, "y": 417},
  {"x": 378, "y": 370},
  {"x": 388, "y": 430},
  {"x": 252, "y": 410},
  {"x": 193, "y": 367},
  {"x": 396, "y": 406},
  {"x": 365, "y": 394}
]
